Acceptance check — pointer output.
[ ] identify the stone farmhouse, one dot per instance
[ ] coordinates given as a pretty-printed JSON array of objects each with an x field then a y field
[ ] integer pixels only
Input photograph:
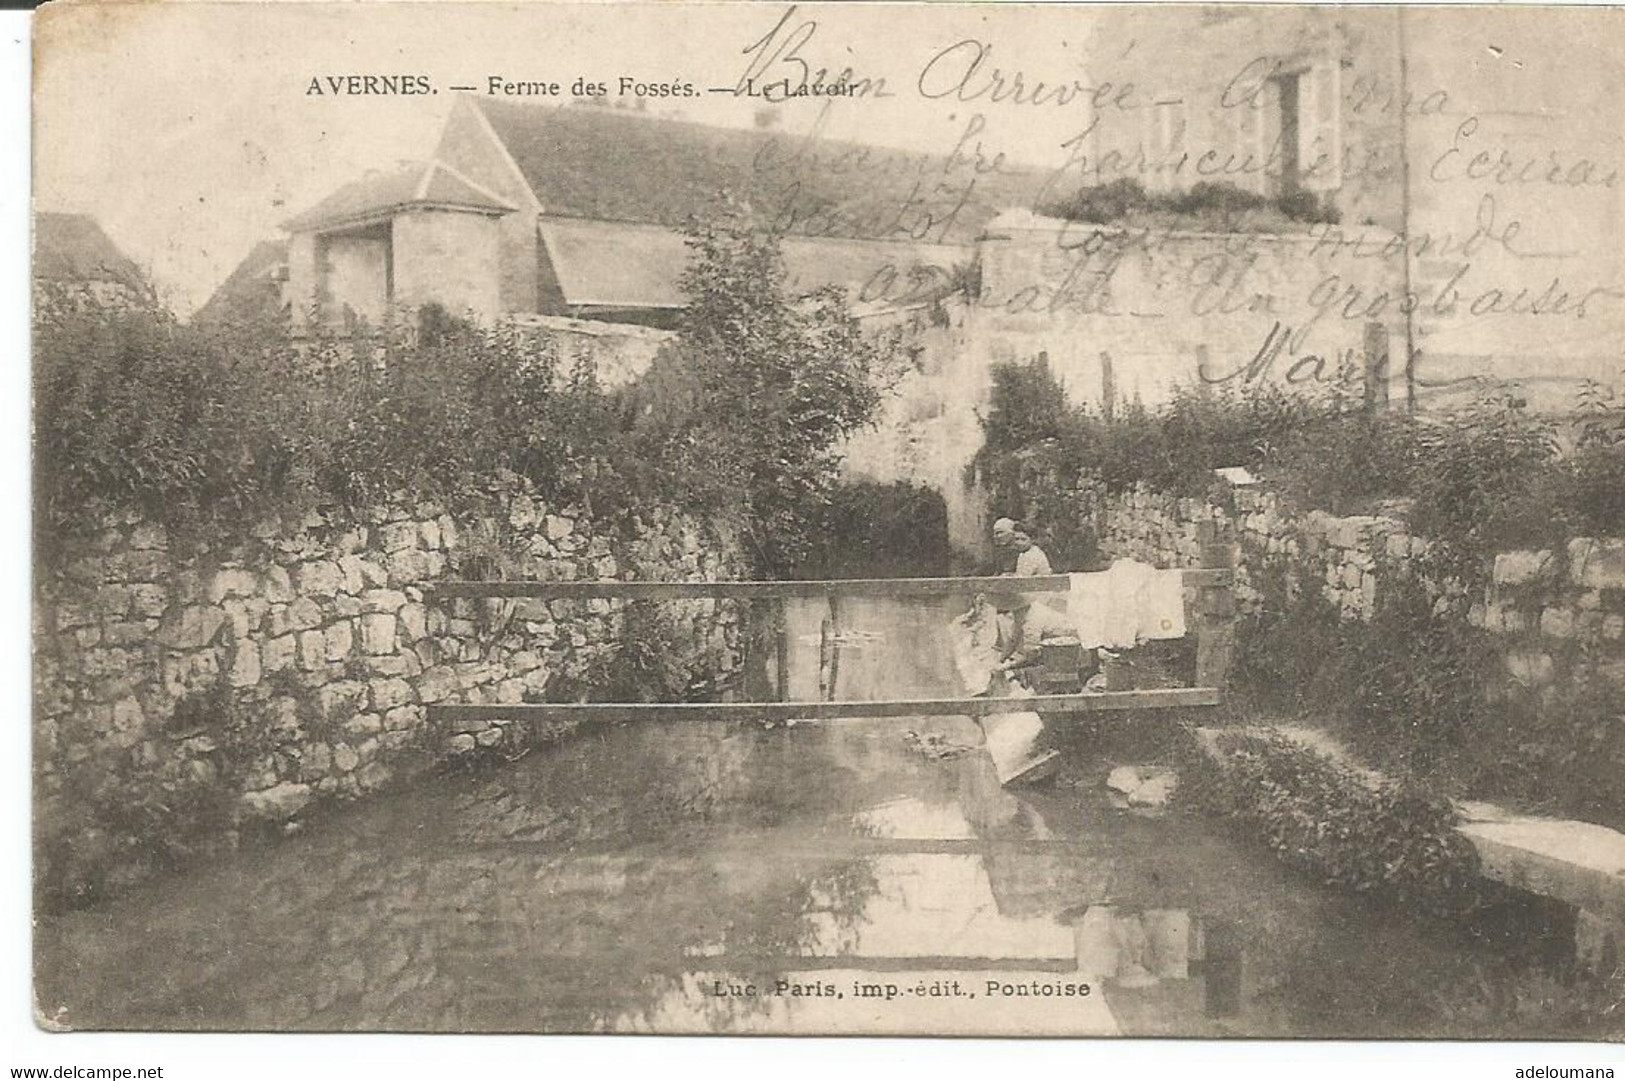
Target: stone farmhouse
[
  {"x": 576, "y": 211},
  {"x": 1442, "y": 231}
]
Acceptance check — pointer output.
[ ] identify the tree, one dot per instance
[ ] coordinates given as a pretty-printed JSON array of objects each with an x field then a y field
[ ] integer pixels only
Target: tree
[{"x": 761, "y": 391}]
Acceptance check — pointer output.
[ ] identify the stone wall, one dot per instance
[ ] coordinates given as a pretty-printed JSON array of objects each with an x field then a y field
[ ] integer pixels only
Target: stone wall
[
  {"x": 620, "y": 352},
  {"x": 1552, "y": 612},
  {"x": 1543, "y": 308},
  {"x": 184, "y": 697},
  {"x": 353, "y": 275}
]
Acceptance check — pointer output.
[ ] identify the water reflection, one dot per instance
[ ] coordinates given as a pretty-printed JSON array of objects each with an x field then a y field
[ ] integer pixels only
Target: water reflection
[{"x": 718, "y": 877}]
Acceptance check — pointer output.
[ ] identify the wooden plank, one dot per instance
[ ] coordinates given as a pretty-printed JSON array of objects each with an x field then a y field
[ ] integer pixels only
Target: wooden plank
[
  {"x": 781, "y": 652},
  {"x": 1376, "y": 367},
  {"x": 730, "y": 965},
  {"x": 833, "y": 846},
  {"x": 1108, "y": 386},
  {"x": 1173, "y": 698},
  {"x": 1215, "y": 633},
  {"x": 829, "y": 651},
  {"x": 870, "y": 587}
]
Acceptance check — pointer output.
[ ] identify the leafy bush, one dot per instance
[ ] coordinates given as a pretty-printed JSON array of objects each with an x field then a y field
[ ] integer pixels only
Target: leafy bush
[
  {"x": 1323, "y": 818},
  {"x": 1594, "y": 499},
  {"x": 1174, "y": 447},
  {"x": 1481, "y": 479},
  {"x": 133, "y": 409},
  {"x": 1420, "y": 693},
  {"x": 659, "y": 658},
  {"x": 208, "y": 431},
  {"x": 759, "y": 393},
  {"x": 1561, "y": 747},
  {"x": 1413, "y": 679},
  {"x": 1289, "y": 646},
  {"x": 1375, "y": 454},
  {"x": 1597, "y": 467},
  {"x": 1208, "y": 205}
]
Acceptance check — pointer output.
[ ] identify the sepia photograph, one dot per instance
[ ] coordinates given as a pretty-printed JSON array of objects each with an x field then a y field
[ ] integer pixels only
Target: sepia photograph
[{"x": 975, "y": 520}]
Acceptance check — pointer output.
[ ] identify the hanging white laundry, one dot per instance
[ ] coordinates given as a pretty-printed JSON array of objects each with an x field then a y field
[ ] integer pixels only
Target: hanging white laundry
[
  {"x": 1088, "y": 596},
  {"x": 1130, "y": 603},
  {"x": 1162, "y": 606},
  {"x": 1128, "y": 579}
]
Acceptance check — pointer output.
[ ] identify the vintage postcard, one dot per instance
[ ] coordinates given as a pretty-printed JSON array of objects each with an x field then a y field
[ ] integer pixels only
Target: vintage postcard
[{"x": 889, "y": 519}]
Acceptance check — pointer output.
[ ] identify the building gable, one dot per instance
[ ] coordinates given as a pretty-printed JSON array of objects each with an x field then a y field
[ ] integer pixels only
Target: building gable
[{"x": 253, "y": 292}]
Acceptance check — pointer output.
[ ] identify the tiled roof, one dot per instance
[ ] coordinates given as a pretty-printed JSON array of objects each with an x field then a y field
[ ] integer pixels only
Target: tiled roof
[
  {"x": 72, "y": 248},
  {"x": 252, "y": 292},
  {"x": 593, "y": 162},
  {"x": 637, "y": 265},
  {"x": 378, "y": 195}
]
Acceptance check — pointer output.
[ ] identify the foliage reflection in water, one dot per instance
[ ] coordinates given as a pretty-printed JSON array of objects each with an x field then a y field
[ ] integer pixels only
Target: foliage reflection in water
[{"x": 611, "y": 882}]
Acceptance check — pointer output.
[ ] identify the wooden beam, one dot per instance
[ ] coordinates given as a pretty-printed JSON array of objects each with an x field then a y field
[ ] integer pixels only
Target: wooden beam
[
  {"x": 1215, "y": 629},
  {"x": 867, "y": 587},
  {"x": 781, "y": 652},
  {"x": 1376, "y": 367},
  {"x": 836, "y": 846},
  {"x": 1108, "y": 386},
  {"x": 1174, "y": 698},
  {"x": 733, "y": 964}
]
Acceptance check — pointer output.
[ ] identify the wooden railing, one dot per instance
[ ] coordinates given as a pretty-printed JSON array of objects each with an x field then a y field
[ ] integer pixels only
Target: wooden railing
[
  {"x": 1206, "y": 578},
  {"x": 1210, "y": 618}
]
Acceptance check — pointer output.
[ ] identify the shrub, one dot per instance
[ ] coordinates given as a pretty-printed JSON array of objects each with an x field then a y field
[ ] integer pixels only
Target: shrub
[
  {"x": 207, "y": 431},
  {"x": 1289, "y": 648},
  {"x": 1174, "y": 447},
  {"x": 1103, "y": 203},
  {"x": 657, "y": 659},
  {"x": 1321, "y": 817},
  {"x": 1482, "y": 479},
  {"x": 1413, "y": 685},
  {"x": 133, "y": 409},
  {"x": 1422, "y": 694},
  {"x": 1344, "y": 460},
  {"x": 1208, "y": 205},
  {"x": 1597, "y": 467},
  {"x": 760, "y": 393},
  {"x": 1596, "y": 491}
]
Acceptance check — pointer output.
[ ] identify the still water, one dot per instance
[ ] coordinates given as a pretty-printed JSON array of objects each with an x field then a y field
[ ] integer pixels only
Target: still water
[{"x": 721, "y": 877}]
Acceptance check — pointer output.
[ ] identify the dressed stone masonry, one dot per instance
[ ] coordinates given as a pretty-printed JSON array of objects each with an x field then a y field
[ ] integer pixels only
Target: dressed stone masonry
[{"x": 181, "y": 698}]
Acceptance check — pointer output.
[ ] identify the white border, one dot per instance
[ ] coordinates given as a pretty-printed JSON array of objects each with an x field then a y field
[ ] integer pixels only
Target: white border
[{"x": 314, "y": 1058}]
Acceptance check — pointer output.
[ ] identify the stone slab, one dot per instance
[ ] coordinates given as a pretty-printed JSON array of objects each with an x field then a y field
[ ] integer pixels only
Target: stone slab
[{"x": 1579, "y": 863}]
